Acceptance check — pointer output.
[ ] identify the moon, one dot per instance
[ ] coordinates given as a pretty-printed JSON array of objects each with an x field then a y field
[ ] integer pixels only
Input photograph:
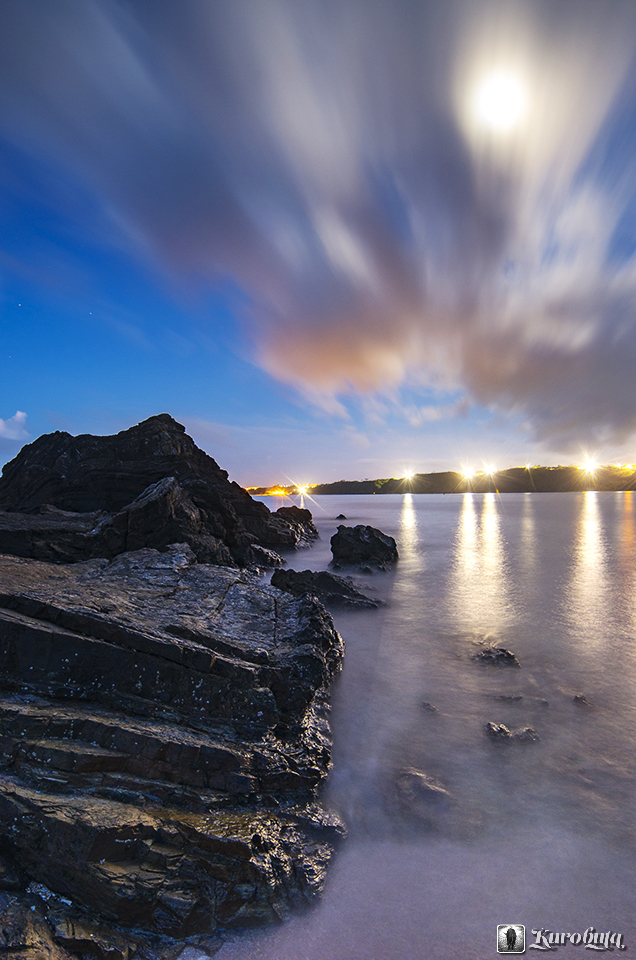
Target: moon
[{"x": 500, "y": 101}]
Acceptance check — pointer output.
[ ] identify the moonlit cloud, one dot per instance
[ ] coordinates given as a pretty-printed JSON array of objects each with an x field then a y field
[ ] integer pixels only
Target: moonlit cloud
[{"x": 329, "y": 159}]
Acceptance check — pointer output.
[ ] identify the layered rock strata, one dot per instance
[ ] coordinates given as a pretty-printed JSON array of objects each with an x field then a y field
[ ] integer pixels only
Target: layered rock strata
[
  {"x": 163, "y": 732},
  {"x": 330, "y": 589},
  {"x": 68, "y": 499}
]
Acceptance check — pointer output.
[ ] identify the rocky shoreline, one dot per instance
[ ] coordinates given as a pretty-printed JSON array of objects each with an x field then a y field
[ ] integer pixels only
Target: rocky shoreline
[{"x": 163, "y": 713}]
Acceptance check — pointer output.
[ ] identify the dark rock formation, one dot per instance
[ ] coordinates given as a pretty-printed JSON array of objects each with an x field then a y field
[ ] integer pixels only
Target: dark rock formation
[
  {"x": 331, "y": 590},
  {"x": 144, "y": 487},
  {"x": 163, "y": 731},
  {"x": 497, "y": 656},
  {"x": 500, "y": 733},
  {"x": 341, "y": 516},
  {"x": 363, "y": 545}
]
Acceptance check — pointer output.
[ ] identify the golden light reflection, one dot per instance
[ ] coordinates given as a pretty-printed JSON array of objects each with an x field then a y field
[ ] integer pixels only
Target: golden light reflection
[
  {"x": 477, "y": 598},
  {"x": 588, "y": 592},
  {"x": 408, "y": 528},
  {"x": 528, "y": 535}
]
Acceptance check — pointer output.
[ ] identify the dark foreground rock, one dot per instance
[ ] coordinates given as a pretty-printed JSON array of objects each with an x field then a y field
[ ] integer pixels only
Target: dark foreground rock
[
  {"x": 163, "y": 731},
  {"x": 332, "y": 590},
  {"x": 363, "y": 546},
  {"x": 68, "y": 499}
]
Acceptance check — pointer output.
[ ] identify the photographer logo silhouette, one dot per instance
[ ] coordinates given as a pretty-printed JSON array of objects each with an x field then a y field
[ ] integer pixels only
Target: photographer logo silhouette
[{"x": 511, "y": 938}]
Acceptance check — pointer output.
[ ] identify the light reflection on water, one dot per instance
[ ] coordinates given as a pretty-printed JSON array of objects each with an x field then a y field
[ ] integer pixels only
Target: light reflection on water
[
  {"x": 542, "y": 834},
  {"x": 588, "y": 595},
  {"x": 478, "y": 596}
]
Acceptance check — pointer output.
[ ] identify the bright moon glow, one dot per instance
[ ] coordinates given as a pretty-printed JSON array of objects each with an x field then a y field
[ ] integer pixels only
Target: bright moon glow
[{"x": 500, "y": 101}]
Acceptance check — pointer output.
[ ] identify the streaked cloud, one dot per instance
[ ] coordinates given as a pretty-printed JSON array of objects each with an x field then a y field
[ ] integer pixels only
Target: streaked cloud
[{"x": 328, "y": 159}]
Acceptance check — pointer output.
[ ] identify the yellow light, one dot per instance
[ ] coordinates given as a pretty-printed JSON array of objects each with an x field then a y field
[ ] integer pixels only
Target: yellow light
[
  {"x": 590, "y": 466},
  {"x": 468, "y": 473},
  {"x": 409, "y": 474},
  {"x": 490, "y": 470},
  {"x": 302, "y": 490},
  {"x": 528, "y": 466}
]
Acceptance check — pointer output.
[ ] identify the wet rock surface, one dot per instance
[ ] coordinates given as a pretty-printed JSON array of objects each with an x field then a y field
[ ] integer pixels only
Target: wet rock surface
[
  {"x": 66, "y": 498},
  {"x": 363, "y": 545},
  {"x": 330, "y": 589},
  {"x": 163, "y": 732}
]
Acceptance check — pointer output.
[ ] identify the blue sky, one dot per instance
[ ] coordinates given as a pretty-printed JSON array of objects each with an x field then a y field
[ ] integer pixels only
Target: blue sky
[{"x": 303, "y": 231}]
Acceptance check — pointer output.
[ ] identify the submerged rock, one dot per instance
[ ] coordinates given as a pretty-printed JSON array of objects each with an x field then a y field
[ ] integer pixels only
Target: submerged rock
[
  {"x": 428, "y": 707},
  {"x": 330, "y": 589},
  {"x": 363, "y": 545},
  {"x": 421, "y": 796},
  {"x": 71, "y": 498},
  {"x": 163, "y": 732},
  {"x": 412, "y": 785},
  {"x": 497, "y": 656}
]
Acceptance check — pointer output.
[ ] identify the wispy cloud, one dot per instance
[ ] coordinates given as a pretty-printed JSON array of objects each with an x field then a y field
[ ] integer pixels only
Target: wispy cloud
[
  {"x": 13, "y": 428},
  {"x": 327, "y": 157}
]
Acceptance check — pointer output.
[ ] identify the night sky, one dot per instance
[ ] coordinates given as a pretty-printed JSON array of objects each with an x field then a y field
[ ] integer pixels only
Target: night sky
[{"x": 334, "y": 239}]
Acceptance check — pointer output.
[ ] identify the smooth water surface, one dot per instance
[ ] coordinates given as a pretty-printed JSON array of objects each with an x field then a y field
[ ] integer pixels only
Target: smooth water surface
[{"x": 543, "y": 833}]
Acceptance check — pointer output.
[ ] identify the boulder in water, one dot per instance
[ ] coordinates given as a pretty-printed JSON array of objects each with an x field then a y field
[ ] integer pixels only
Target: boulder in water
[
  {"x": 500, "y": 733},
  {"x": 497, "y": 656},
  {"x": 363, "y": 545}
]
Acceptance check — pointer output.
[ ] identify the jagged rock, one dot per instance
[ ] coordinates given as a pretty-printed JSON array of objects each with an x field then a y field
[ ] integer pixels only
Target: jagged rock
[
  {"x": 497, "y": 656},
  {"x": 501, "y": 734},
  {"x": 163, "y": 732},
  {"x": 144, "y": 487},
  {"x": 330, "y": 589},
  {"x": 301, "y": 520},
  {"x": 341, "y": 516},
  {"x": 363, "y": 545}
]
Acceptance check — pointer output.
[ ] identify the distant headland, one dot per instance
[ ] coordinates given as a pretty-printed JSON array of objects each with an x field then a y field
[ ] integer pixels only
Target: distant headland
[{"x": 529, "y": 479}]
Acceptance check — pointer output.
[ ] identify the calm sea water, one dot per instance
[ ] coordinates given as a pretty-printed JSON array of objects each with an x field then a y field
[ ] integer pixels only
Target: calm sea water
[{"x": 542, "y": 834}]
